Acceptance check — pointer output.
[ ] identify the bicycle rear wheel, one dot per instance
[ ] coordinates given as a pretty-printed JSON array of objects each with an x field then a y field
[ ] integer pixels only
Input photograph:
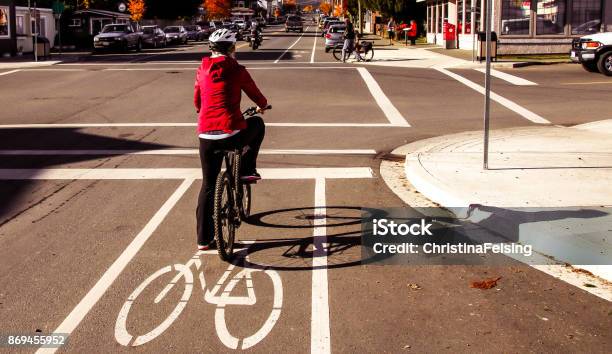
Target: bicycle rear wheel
[
  {"x": 367, "y": 56},
  {"x": 223, "y": 217}
]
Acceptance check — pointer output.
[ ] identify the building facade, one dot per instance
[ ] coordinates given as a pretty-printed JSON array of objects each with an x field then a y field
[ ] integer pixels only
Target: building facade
[{"x": 522, "y": 26}]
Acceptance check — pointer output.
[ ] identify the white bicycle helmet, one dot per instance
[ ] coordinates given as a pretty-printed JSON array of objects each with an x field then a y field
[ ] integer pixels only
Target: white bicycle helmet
[
  {"x": 222, "y": 35},
  {"x": 222, "y": 40}
]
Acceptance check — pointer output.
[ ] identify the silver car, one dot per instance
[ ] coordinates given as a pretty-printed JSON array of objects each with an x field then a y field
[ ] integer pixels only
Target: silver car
[{"x": 334, "y": 37}]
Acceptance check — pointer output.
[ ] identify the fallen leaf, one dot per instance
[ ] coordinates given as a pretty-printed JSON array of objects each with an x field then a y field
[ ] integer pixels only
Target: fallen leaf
[
  {"x": 485, "y": 284},
  {"x": 414, "y": 286}
]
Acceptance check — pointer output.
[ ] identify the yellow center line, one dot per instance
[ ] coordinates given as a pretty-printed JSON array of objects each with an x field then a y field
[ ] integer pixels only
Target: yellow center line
[{"x": 586, "y": 83}]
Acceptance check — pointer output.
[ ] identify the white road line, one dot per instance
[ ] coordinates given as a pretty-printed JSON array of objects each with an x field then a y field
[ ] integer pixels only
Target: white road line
[
  {"x": 10, "y": 72},
  {"x": 515, "y": 80},
  {"x": 320, "y": 336},
  {"x": 179, "y": 124},
  {"x": 525, "y": 113},
  {"x": 181, "y": 152},
  {"x": 175, "y": 173},
  {"x": 91, "y": 298},
  {"x": 314, "y": 45},
  {"x": 288, "y": 49},
  {"x": 393, "y": 115}
]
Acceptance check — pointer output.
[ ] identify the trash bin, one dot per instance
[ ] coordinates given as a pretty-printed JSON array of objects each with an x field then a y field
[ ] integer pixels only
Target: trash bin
[
  {"x": 482, "y": 46},
  {"x": 43, "y": 47}
]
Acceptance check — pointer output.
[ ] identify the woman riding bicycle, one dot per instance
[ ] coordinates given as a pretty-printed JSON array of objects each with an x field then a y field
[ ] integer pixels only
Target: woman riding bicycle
[{"x": 219, "y": 83}]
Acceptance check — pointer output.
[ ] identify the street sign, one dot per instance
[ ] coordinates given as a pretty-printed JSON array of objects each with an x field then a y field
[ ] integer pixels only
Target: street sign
[
  {"x": 122, "y": 7},
  {"x": 58, "y": 7}
]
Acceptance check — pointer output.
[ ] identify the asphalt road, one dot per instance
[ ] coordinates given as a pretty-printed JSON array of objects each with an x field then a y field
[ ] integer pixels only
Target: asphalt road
[{"x": 89, "y": 256}]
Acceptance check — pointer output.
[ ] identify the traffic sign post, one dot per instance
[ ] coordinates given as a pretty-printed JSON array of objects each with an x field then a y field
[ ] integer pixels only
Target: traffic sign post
[{"x": 487, "y": 103}]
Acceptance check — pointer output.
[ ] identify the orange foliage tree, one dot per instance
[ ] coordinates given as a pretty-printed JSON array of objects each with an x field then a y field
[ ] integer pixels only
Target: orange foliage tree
[
  {"x": 137, "y": 9},
  {"x": 338, "y": 11},
  {"x": 325, "y": 7},
  {"x": 307, "y": 8},
  {"x": 218, "y": 9}
]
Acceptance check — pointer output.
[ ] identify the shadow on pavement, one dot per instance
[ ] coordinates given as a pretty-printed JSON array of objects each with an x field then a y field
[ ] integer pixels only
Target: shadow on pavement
[{"x": 11, "y": 191}]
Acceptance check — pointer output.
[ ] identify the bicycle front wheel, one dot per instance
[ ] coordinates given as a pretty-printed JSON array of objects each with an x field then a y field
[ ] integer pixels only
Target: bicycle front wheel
[
  {"x": 368, "y": 55},
  {"x": 223, "y": 217}
]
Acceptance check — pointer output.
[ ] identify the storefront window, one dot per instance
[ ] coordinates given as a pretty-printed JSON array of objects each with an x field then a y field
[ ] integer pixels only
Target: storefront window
[
  {"x": 550, "y": 17},
  {"x": 586, "y": 16},
  {"x": 21, "y": 28},
  {"x": 515, "y": 17},
  {"x": 460, "y": 16},
  {"x": 4, "y": 22}
]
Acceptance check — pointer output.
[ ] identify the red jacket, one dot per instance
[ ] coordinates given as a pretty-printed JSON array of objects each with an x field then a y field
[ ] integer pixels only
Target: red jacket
[{"x": 218, "y": 85}]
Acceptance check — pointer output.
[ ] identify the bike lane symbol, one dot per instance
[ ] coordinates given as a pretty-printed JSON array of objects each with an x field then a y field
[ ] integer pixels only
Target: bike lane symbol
[{"x": 220, "y": 295}]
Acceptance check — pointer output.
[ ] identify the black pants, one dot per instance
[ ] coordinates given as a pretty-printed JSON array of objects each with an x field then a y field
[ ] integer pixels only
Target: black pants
[{"x": 211, "y": 158}]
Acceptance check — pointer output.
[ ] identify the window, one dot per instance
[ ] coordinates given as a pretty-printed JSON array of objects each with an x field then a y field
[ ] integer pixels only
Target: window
[
  {"x": 550, "y": 17},
  {"x": 477, "y": 8},
  {"x": 468, "y": 16},
  {"x": 4, "y": 22},
  {"x": 515, "y": 17},
  {"x": 586, "y": 16},
  {"x": 21, "y": 28},
  {"x": 75, "y": 22}
]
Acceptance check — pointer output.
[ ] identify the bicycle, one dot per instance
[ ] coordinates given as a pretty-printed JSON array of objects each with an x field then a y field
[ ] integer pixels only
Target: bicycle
[
  {"x": 364, "y": 51},
  {"x": 222, "y": 298},
  {"x": 232, "y": 199}
]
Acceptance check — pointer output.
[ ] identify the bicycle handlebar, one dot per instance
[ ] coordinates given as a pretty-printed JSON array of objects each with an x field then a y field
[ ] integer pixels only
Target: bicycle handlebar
[{"x": 251, "y": 111}]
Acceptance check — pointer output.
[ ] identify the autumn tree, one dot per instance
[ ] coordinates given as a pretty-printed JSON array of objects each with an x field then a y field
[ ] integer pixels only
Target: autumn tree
[
  {"x": 338, "y": 11},
  {"x": 289, "y": 6},
  {"x": 137, "y": 9},
  {"x": 307, "y": 8},
  {"x": 325, "y": 7},
  {"x": 217, "y": 9}
]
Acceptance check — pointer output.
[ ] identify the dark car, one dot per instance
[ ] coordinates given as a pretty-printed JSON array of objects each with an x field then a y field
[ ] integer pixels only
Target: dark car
[
  {"x": 153, "y": 36},
  {"x": 176, "y": 34},
  {"x": 194, "y": 33},
  {"x": 294, "y": 23},
  {"x": 121, "y": 36}
]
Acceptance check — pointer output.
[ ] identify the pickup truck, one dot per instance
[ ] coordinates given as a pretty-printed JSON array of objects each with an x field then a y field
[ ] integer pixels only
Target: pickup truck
[
  {"x": 294, "y": 23},
  {"x": 594, "y": 52},
  {"x": 122, "y": 36}
]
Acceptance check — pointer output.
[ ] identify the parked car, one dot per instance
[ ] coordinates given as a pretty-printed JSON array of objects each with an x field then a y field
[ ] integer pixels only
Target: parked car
[
  {"x": 207, "y": 30},
  {"x": 334, "y": 37},
  {"x": 594, "y": 52},
  {"x": 122, "y": 36},
  {"x": 194, "y": 33},
  {"x": 294, "y": 23},
  {"x": 153, "y": 36},
  {"x": 176, "y": 34}
]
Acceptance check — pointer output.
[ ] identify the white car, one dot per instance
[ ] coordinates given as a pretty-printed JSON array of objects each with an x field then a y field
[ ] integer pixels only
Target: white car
[{"x": 594, "y": 52}]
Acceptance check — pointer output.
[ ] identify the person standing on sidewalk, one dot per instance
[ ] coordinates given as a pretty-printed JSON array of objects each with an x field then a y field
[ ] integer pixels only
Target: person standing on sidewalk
[
  {"x": 349, "y": 41},
  {"x": 391, "y": 30},
  {"x": 412, "y": 32}
]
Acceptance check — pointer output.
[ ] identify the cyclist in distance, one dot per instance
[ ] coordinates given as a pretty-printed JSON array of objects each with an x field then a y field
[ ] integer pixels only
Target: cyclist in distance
[{"x": 219, "y": 83}]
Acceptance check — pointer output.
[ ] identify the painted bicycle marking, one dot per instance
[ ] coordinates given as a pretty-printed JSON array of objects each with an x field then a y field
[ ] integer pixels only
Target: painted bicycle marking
[{"x": 220, "y": 295}]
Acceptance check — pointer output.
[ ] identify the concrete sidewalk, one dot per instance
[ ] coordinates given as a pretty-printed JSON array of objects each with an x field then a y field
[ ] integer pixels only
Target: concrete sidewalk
[
  {"x": 21, "y": 64},
  {"x": 535, "y": 167}
]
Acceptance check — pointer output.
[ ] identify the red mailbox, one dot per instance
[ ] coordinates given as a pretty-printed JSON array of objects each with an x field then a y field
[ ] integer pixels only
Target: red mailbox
[{"x": 449, "y": 31}]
